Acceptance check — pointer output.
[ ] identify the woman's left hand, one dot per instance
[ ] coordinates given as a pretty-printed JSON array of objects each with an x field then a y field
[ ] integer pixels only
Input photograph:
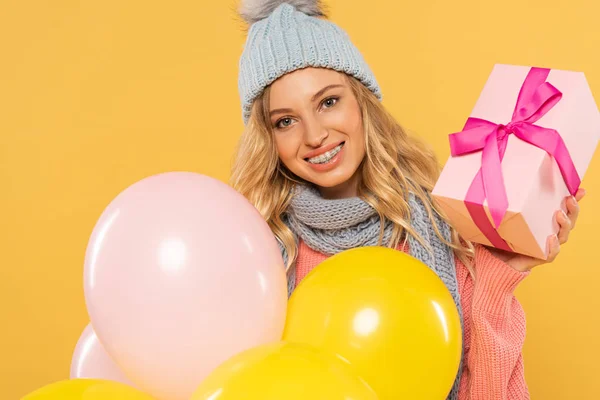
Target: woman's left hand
[{"x": 566, "y": 222}]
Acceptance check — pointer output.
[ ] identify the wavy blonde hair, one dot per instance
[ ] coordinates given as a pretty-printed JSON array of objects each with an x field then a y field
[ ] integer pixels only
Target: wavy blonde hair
[{"x": 395, "y": 164}]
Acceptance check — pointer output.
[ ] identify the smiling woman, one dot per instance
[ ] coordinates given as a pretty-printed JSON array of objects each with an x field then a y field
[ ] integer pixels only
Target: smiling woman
[{"x": 330, "y": 169}]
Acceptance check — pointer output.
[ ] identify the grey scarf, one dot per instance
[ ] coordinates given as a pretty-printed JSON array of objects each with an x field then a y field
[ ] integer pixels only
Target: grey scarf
[{"x": 332, "y": 226}]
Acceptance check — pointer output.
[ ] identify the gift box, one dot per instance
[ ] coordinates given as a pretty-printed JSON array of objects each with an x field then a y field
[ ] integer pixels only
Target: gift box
[{"x": 525, "y": 147}]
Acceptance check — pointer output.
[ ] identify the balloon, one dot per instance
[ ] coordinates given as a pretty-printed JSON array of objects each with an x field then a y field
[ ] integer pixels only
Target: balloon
[
  {"x": 90, "y": 360},
  {"x": 181, "y": 273},
  {"x": 385, "y": 312},
  {"x": 87, "y": 389},
  {"x": 289, "y": 371}
]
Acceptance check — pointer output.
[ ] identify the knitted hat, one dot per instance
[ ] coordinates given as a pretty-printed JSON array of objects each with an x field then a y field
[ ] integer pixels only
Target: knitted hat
[{"x": 285, "y": 36}]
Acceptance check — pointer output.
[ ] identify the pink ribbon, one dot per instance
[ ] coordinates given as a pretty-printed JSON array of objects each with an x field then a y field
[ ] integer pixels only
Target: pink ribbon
[{"x": 536, "y": 98}]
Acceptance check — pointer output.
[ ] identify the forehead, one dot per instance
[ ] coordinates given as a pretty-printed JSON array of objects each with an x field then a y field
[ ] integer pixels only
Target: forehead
[{"x": 302, "y": 84}]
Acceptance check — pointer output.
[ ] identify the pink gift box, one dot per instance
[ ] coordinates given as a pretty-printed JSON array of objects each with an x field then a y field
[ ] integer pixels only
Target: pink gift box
[{"x": 524, "y": 149}]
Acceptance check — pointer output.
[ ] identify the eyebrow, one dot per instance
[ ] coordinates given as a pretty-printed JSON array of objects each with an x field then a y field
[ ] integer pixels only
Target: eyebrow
[
  {"x": 325, "y": 89},
  {"x": 313, "y": 98}
]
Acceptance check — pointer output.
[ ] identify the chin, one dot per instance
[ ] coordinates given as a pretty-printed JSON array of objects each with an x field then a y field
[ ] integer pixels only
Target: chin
[
  {"x": 329, "y": 183},
  {"x": 332, "y": 179}
]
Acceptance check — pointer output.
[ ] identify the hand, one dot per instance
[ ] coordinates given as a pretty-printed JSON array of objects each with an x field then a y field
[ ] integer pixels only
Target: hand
[{"x": 566, "y": 222}]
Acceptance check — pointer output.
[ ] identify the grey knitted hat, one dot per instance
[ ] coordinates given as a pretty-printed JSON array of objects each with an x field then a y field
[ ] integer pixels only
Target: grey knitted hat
[{"x": 285, "y": 36}]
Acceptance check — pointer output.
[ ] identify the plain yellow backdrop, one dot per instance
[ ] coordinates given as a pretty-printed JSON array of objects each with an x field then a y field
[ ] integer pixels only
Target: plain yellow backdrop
[{"x": 96, "y": 95}]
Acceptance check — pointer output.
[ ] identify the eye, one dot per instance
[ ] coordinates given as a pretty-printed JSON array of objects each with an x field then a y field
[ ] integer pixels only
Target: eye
[
  {"x": 329, "y": 102},
  {"x": 284, "y": 123}
]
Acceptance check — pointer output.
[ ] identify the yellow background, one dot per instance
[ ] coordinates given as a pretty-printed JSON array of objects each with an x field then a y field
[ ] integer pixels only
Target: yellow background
[{"x": 96, "y": 95}]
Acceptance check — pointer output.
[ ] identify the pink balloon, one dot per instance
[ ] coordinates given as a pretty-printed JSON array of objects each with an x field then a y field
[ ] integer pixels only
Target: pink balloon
[
  {"x": 90, "y": 360},
  {"x": 181, "y": 273}
]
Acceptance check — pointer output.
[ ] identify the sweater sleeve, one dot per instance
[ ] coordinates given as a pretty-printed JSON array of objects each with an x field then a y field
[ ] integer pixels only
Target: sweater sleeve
[{"x": 494, "y": 330}]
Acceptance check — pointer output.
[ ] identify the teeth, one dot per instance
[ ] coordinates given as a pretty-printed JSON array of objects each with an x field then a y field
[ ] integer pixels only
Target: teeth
[{"x": 325, "y": 157}]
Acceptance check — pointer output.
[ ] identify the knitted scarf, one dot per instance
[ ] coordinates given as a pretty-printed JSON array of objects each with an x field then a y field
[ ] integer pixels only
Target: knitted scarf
[{"x": 332, "y": 226}]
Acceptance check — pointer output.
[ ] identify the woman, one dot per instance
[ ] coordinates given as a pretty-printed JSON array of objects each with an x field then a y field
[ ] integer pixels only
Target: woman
[{"x": 330, "y": 169}]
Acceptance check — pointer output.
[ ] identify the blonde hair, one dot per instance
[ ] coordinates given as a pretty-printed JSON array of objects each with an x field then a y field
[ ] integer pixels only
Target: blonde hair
[{"x": 395, "y": 164}]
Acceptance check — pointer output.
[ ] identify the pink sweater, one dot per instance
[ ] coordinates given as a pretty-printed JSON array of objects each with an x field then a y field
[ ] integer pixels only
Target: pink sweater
[{"x": 494, "y": 325}]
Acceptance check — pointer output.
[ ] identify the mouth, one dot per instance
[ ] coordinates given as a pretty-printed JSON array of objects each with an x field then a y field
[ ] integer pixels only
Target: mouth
[{"x": 325, "y": 157}]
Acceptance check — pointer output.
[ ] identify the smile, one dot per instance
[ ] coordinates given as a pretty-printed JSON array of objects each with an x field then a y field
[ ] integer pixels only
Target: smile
[{"x": 326, "y": 157}]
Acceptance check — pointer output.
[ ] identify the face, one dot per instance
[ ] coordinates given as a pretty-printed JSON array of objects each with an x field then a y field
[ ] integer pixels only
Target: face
[{"x": 318, "y": 130}]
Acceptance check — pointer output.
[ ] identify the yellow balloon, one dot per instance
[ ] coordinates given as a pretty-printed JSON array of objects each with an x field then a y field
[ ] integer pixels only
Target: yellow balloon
[
  {"x": 87, "y": 389},
  {"x": 385, "y": 312},
  {"x": 290, "y": 371}
]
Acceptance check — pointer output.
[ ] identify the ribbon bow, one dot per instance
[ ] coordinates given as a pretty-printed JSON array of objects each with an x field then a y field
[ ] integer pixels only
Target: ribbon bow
[{"x": 535, "y": 99}]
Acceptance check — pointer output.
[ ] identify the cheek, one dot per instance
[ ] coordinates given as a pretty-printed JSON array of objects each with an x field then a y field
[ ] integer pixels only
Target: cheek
[
  {"x": 347, "y": 119},
  {"x": 359, "y": 149},
  {"x": 354, "y": 129},
  {"x": 287, "y": 148}
]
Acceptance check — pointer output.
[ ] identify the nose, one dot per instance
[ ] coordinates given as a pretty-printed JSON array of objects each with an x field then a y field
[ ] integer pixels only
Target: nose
[{"x": 315, "y": 133}]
